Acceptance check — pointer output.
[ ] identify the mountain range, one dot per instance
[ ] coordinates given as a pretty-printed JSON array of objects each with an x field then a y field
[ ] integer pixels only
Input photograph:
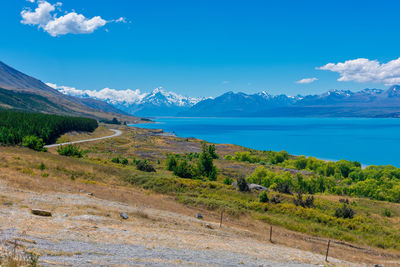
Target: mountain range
[
  {"x": 22, "y": 92},
  {"x": 334, "y": 103}
]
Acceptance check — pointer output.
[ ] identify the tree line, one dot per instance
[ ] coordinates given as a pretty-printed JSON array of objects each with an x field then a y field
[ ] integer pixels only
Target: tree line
[{"x": 20, "y": 127}]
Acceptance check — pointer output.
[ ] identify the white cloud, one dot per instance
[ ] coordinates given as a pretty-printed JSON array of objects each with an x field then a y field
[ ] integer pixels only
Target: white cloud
[
  {"x": 121, "y": 20},
  {"x": 363, "y": 70},
  {"x": 40, "y": 16},
  {"x": 127, "y": 96},
  {"x": 73, "y": 23},
  {"x": 70, "y": 23},
  {"x": 307, "y": 80}
]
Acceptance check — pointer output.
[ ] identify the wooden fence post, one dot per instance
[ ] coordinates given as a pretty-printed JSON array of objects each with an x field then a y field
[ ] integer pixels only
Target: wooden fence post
[
  {"x": 270, "y": 234},
  {"x": 327, "y": 251},
  {"x": 220, "y": 221}
]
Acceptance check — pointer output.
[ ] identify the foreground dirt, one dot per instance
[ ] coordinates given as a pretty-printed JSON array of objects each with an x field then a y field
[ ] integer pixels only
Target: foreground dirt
[{"x": 86, "y": 230}]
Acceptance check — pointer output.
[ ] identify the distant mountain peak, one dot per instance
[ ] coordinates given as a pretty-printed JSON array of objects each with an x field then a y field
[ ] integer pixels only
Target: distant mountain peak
[{"x": 393, "y": 91}]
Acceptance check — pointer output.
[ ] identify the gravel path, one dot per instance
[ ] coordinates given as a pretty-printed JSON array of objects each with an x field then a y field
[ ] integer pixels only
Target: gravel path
[{"x": 117, "y": 133}]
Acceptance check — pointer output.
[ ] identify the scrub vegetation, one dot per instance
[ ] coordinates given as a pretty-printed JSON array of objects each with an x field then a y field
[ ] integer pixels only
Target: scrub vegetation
[{"x": 339, "y": 200}]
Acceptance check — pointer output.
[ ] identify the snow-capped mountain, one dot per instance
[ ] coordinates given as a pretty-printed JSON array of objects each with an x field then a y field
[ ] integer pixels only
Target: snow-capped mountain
[
  {"x": 158, "y": 102},
  {"x": 339, "y": 103}
]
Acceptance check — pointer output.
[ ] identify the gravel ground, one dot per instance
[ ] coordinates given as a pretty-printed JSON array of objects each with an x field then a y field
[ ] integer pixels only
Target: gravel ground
[{"x": 86, "y": 231}]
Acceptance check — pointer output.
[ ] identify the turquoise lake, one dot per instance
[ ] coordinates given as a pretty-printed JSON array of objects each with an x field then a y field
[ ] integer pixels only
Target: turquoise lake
[{"x": 369, "y": 141}]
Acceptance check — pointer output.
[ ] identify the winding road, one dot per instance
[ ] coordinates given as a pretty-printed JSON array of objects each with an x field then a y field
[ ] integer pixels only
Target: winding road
[{"x": 117, "y": 133}]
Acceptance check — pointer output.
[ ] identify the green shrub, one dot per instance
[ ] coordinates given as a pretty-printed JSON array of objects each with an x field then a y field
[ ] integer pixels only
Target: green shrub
[
  {"x": 276, "y": 199},
  {"x": 228, "y": 181},
  {"x": 308, "y": 202},
  {"x": 242, "y": 185},
  {"x": 33, "y": 142},
  {"x": 42, "y": 166},
  {"x": 124, "y": 161},
  {"x": 171, "y": 162},
  {"x": 228, "y": 157},
  {"x": 70, "y": 151},
  {"x": 263, "y": 197},
  {"x": 115, "y": 160},
  {"x": 183, "y": 169},
  {"x": 345, "y": 212},
  {"x": 205, "y": 164},
  {"x": 144, "y": 165},
  {"x": 387, "y": 213},
  {"x": 283, "y": 187}
]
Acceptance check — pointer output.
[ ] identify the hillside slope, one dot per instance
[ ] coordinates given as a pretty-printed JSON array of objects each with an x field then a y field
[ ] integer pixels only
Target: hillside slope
[{"x": 22, "y": 92}]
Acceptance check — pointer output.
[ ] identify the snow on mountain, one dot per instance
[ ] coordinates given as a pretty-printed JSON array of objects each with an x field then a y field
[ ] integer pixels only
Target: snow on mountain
[
  {"x": 128, "y": 97},
  {"x": 134, "y": 101}
]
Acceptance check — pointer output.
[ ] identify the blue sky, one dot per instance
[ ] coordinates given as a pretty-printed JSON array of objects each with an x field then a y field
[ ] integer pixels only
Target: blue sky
[{"x": 205, "y": 48}]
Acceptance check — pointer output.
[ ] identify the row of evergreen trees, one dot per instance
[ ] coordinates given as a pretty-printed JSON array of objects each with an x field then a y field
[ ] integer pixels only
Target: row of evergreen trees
[{"x": 15, "y": 126}]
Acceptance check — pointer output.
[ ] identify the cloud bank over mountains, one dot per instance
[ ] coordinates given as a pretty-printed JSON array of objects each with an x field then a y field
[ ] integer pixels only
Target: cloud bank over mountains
[
  {"x": 127, "y": 97},
  {"x": 70, "y": 23},
  {"x": 363, "y": 70}
]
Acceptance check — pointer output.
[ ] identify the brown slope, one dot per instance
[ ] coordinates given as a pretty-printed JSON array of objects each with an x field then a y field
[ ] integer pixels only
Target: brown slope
[{"x": 22, "y": 85}]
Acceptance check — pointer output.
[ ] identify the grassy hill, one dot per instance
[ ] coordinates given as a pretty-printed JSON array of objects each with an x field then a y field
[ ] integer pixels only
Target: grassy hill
[{"x": 21, "y": 92}]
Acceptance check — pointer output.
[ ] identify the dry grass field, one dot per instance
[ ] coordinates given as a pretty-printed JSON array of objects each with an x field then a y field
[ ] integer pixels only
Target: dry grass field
[{"x": 85, "y": 196}]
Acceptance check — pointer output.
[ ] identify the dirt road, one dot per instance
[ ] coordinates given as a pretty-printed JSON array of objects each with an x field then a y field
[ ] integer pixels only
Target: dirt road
[{"x": 116, "y": 133}]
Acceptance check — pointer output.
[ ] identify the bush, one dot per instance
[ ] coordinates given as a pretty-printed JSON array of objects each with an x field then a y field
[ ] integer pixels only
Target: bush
[
  {"x": 305, "y": 203},
  {"x": 70, "y": 151},
  {"x": 183, "y": 170},
  {"x": 276, "y": 199},
  {"x": 242, "y": 185},
  {"x": 387, "y": 213},
  {"x": 283, "y": 187},
  {"x": 33, "y": 142},
  {"x": 205, "y": 165},
  {"x": 144, "y": 165},
  {"x": 279, "y": 157},
  {"x": 344, "y": 212},
  {"x": 115, "y": 160},
  {"x": 41, "y": 166},
  {"x": 228, "y": 157},
  {"x": 171, "y": 162},
  {"x": 124, "y": 161},
  {"x": 263, "y": 197},
  {"x": 228, "y": 181}
]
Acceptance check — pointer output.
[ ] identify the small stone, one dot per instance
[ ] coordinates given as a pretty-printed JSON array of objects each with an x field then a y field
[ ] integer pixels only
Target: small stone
[
  {"x": 90, "y": 194},
  {"x": 65, "y": 215},
  {"x": 124, "y": 215},
  {"x": 209, "y": 226},
  {"x": 43, "y": 213},
  {"x": 199, "y": 216}
]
